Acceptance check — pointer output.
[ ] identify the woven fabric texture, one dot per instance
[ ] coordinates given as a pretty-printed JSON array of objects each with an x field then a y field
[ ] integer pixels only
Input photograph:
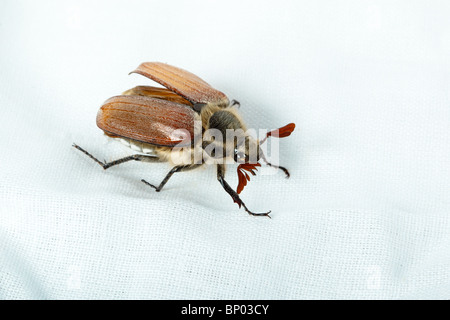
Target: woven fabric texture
[{"x": 365, "y": 214}]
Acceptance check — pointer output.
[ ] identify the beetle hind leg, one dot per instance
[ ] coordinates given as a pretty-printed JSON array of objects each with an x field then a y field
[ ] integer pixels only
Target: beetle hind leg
[{"x": 105, "y": 165}]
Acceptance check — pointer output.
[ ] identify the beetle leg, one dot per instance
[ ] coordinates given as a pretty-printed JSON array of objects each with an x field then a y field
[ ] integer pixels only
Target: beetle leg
[
  {"x": 171, "y": 172},
  {"x": 274, "y": 166},
  {"x": 281, "y": 168},
  {"x": 235, "y": 103},
  {"x": 233, "y": 194},
  {"x": 106, "y": 165}
]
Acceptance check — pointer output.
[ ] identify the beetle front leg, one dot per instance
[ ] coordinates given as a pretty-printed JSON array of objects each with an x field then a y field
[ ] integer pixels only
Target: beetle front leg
[
  {"x": 235, "y": 103},
  {"x": 233, "y": 194},
  {"x": 286, "y": 171}
]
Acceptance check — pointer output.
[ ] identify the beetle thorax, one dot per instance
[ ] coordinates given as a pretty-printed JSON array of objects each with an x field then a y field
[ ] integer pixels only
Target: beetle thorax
[{"x": 225, "y": 135}]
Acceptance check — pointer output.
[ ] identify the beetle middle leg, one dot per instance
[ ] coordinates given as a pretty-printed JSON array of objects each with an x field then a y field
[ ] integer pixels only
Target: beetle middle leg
[
  {"x": 171, "y": 172},
  {"x": 106, "y": 165},
  {"x": 233, "y": 194}
]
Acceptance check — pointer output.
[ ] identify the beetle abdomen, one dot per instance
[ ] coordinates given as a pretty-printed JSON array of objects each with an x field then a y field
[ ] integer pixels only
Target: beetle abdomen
[{"x": 138, "y": 146}]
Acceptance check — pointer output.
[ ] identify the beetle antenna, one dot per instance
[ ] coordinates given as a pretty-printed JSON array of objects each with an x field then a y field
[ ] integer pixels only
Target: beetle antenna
[
  {"x": 280, "y": 132},
  {"x": 263, "y": 140},
  {"x": 277, "y": 133}
]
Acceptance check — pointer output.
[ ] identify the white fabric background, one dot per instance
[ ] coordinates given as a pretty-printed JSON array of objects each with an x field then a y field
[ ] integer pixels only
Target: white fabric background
[{"x": 366, "y": 213}]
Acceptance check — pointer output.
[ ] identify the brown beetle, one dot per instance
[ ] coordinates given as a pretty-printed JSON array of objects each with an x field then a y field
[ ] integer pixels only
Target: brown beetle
[{"x": 165, "y": 125}]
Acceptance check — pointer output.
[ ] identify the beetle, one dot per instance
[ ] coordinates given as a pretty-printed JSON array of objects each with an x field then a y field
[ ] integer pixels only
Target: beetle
[{"x": 163, "y": 123}]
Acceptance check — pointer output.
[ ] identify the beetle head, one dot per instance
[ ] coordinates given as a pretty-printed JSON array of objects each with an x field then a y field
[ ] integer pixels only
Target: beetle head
[
  {"x": 247, "y": 151},
  {"x": 251, "y": 147}
]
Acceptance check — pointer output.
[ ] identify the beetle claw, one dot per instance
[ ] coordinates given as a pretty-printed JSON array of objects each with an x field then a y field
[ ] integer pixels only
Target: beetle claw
[
  {"x": 149, "y": 184},
  {"x": 265, "y": 214}
]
